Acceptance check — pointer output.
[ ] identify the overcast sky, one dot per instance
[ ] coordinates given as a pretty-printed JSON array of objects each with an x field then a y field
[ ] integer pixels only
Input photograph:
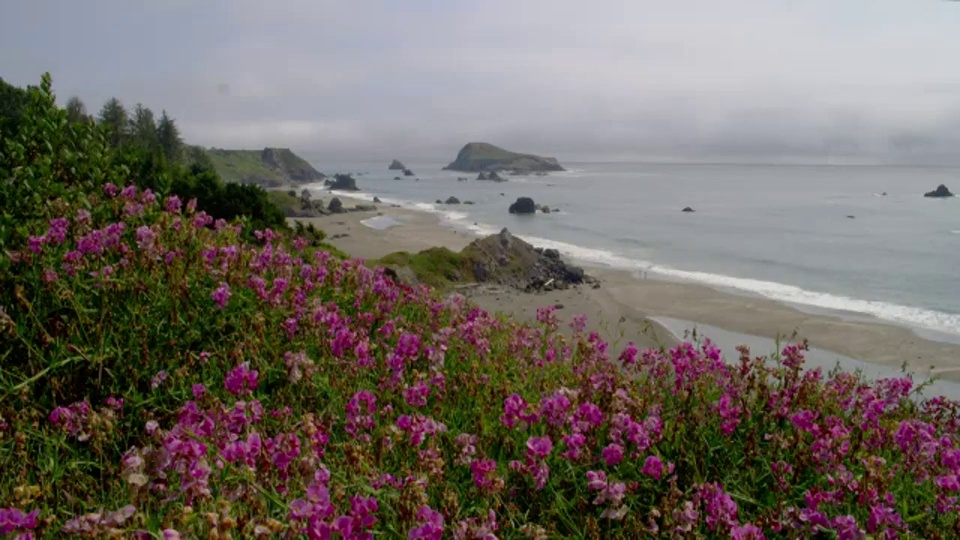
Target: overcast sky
[{"x": 874, "y": 80}]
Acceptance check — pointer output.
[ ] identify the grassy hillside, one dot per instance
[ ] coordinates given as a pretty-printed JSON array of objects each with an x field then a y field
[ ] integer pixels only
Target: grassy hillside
[{"x": 270, "y": 167}]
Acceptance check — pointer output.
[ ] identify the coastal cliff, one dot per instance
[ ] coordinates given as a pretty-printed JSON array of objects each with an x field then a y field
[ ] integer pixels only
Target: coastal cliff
[
  {"x": 270, "y": 167},
  {"x": 480, "y": 156}
]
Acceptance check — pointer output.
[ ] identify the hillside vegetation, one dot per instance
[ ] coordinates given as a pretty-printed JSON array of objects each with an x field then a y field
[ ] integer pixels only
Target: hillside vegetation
[
  {"x": 164, "y": 374},
  {"x": 270, "y": 167}
]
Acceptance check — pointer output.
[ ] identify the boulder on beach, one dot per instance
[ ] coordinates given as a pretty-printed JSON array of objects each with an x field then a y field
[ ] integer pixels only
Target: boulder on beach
[
  {"x": 335, "y": 206},
  {"x": 523, "y": 205},
  {"x": 688, "y": 209},
  {"x": 395, "y": 165},
  {"x": 507, "y": 260},
  {"x": 941, "y": 191},
  {"x": 407, "y": 172},
  {"x": 452, "y": 200},
  {"x": 377, "y": 199},
  {"x": 342, "y": 182}
]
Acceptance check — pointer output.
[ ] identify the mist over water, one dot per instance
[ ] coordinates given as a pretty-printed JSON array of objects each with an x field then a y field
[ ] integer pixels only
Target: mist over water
[{"x": 821, "y": 237}]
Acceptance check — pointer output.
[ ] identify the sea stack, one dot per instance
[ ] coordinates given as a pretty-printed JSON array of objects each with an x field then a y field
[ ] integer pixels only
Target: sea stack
[{"x": 481, "y": 156}]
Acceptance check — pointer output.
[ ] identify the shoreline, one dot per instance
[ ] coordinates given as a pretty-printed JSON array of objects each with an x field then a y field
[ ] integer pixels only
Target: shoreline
[{"x": 625, "y": 306}]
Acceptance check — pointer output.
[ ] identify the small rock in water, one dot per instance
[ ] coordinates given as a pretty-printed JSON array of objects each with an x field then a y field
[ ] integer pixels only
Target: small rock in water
[
  {"x": 851, "y": 217},
  {"x": 377, "y": 199},
  {"x": 688, "y": 209},
  {"x": 941, "y": 191}
]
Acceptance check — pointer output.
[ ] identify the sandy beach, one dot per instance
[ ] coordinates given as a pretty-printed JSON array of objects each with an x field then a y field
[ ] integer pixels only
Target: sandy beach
[{"x": 621, "y": 308}]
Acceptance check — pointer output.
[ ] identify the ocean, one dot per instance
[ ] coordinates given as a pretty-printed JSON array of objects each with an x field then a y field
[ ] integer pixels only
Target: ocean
[{"x": 820, "y": 238}]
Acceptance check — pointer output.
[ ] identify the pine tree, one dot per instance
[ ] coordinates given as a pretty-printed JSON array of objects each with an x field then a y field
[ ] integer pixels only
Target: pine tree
[
  {"x": 169, "y": 137},
  {"x": 76, "y": 110},
  {"x": 143, "y": 129},
  {"x": 114, "y": 118}
]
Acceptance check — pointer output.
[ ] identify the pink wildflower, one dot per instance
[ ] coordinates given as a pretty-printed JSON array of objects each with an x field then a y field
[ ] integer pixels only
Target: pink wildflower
[{"x": 241, "y": 380}]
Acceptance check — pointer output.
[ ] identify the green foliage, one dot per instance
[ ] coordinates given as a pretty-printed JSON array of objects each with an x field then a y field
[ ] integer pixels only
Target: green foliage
[
  {"x": 169, "y": 138},
  {"x": 115, "y": 121},
  {"x": 438, "y": 267},
  {"x": 143, "y": 129},
  {"x": 244, "y": 167},
  {"x": 47, "y": 161},
  {"x": 289, "y": 205},
  {"x": 13, "y": 100},
  {"x": 77, "y": 111}
]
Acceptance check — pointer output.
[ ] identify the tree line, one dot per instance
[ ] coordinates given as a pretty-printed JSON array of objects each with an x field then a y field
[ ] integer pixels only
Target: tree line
[{"x": 43, "y": 145}]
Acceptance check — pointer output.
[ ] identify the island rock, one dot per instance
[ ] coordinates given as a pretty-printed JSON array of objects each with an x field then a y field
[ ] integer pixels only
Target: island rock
[
  {"x": 480, "y": 156},
  {"x": 688, "y": 209},
  {"x": 941, "y": 191},
  {"x": 407, "y": 172},
  {"x": 395, "y": 165},
  {"x": 452, "y": 200}
]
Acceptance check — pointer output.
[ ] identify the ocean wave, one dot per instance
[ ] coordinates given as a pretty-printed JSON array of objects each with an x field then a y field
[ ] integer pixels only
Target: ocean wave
[{"x": 938, "y": 321}]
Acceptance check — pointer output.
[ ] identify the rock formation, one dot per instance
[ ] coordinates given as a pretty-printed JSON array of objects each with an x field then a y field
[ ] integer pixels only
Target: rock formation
[
  {"x": 395, "y": 165},
  {"x": 342, "y": 182},
  {"x": 523, "y": 205},
  {"x": 491, "y": 176},
  {"x": 479, "y": 156},
  {"x": 941, "y": 191},
  {"x": 507, "y": 260}
]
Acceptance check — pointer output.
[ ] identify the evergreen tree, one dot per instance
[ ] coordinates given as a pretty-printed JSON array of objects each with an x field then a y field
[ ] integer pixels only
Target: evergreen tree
[
  {"x": 143, "y": 129},
  {"x": 76, "y": 110},
  {"x": 114, "y": 119},
  {"x": 13, "y": 101},
  {"x": 169, "y": 136}
]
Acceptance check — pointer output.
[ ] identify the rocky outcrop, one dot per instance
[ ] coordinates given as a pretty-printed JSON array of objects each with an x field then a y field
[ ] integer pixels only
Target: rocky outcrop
[
  {"x": 407, "y": 172},
  {"x": 523, "y": 205},
  {"x": 335, "y": 206},
  {"x": 342, "y": 182},
  {"x": 480, "y": 156},
  {"x": 507, "y": 260},
  {"x": 491, "y": 176},
  {"x": 452, "y": 200},
  {"x": 395, "y": 165},
  {"x": 941, "y": 191},
  {"x": 688, "y": 209}
]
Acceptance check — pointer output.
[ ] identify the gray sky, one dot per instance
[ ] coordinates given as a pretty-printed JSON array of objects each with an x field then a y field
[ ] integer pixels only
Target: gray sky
[{"x": 812, "y": 80}]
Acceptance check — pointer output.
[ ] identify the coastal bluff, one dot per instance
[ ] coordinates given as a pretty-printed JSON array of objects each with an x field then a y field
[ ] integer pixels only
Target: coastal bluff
[
  {"x": 485, "y": 157},
  {"x": 269, "y": 168}
]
